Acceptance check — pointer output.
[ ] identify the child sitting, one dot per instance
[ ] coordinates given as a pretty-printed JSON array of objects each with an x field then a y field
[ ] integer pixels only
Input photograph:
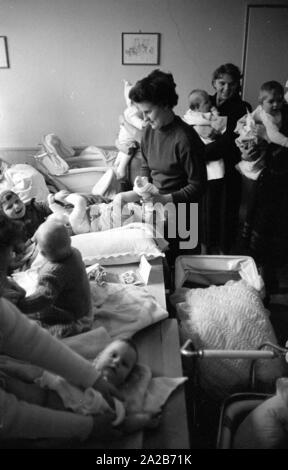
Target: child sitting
[
  {"x": 62, "y": 300},
  {"x": 129, "y": 137},
  {"x": 29, "y": 216},
  {"x": 263, "y": 124},
  {"x": 115, "y": 364}
]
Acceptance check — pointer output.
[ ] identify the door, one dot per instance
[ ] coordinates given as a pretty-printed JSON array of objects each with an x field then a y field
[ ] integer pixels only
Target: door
[{"x": 265, "y": 54}]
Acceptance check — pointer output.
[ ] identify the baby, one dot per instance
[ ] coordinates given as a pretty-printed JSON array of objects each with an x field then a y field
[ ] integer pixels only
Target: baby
[
  {"x": 208, "y": 125},
  {"x": 29, "y": 216},
  {"x": 89, "y": 213},
  {"x": 62, "y": 301},
  {"x": 129, "y": 137},
  {"x": 115, "y": 364},
  {"x": 263, "y": 124},
  {"x": 204, "y": 117}
]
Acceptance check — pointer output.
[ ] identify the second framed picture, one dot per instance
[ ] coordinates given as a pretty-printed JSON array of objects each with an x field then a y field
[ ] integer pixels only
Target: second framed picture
[{"x": 140, "y": 48}]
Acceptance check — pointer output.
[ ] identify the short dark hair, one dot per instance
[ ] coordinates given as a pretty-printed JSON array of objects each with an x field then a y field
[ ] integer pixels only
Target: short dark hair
[
  {"x": 269, "y": 87},
  {"x": 229, "y": 69},
  {"x": 10, "y": 232},
  {"x": 157, "y": 88}
]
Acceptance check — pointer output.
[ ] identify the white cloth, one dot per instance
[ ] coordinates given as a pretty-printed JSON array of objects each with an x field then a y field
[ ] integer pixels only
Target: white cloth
[
  {"x": 208, "y": 126},
  {"x": 25, "y": 181},
  {"x": 272, "y": 125}
]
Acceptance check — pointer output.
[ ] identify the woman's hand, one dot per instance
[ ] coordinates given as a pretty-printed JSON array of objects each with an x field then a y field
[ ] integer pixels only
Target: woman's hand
[
  {"x": 13, "y": 292},
  {"x": 103, "y": 429},
  {"x": 162, "y": 198},
  {"x": 253, "y": 152}
]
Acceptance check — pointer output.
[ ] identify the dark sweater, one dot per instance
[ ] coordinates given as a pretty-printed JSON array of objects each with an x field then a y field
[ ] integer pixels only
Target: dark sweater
[
  {"x": 36, "y": 213},
  {"x": 173, "y": 158},
  {"x": 62, "y": 284},
  {"x": 224, "y": 146}
]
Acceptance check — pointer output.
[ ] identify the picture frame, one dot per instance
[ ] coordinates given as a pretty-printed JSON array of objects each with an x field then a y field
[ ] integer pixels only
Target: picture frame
[
  {"x": 4, "y": 58},
  {"x": 140, "y": 48}
]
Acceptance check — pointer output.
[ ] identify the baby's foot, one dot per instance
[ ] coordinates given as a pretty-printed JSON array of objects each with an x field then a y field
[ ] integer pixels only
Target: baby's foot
[{"x": 61, "y": 195}]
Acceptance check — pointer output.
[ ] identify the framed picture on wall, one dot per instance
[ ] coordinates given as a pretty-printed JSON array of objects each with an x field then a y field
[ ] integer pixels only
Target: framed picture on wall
[
  {"x": 4, "y": 60},
  {"x": 140, "y": 48}
]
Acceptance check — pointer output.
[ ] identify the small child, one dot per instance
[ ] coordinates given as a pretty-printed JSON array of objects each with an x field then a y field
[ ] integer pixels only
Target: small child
[
  {"x": 204, "y": 117},
  {"x": 263, "y": 124},
  {"x": 90, "y": 213},
  {"x": 129, "y": 137},
  {"x": 29, "y": 216},
  {"x": 62, "y": 301},
  {"x": 209, "y": 126},
  {"x": 115, "y": 364}
]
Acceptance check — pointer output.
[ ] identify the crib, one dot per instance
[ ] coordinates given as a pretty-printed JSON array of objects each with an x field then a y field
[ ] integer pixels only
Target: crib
[{"x": 84, "y": 172}]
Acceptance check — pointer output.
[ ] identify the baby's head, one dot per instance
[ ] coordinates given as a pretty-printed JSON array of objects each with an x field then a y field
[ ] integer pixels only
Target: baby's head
[
  {"x": 117, "y": 360},
  {"x": 53, "y": 240},
  {"x": 271, "y": 97},
  {"x": 11, "y": 205},
  {"x": 199, "y": 101}
]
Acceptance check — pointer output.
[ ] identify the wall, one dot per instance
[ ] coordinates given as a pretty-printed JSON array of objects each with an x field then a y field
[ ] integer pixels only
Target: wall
[{"x": 66, "y": 73}]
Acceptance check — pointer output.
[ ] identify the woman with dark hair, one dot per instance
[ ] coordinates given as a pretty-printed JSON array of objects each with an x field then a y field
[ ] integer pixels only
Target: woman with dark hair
[
  {"x": 173, "y": 154},
  {"x": 225, "y": 197}
]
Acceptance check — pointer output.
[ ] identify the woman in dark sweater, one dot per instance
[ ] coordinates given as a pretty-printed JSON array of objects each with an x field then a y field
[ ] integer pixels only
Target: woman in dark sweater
[
  {"x": 173, "y": 156},
  {"x": 226, "y": 82}
]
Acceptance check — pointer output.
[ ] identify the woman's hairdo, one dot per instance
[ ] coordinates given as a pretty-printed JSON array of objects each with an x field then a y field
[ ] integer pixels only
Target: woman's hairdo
[
  {"x": 157, "y": 88},
  {"x": 229, "y": 69}
]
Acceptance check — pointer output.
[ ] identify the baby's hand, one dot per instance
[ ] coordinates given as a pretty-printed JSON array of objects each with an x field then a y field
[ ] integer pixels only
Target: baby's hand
[{"x": 142, "y": 420}]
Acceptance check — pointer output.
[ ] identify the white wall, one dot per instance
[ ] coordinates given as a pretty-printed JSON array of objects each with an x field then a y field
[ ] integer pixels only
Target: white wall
[{"x": 65, "y": 55}]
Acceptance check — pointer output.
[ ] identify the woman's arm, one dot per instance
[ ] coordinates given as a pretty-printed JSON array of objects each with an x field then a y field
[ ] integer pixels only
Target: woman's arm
[
  {"x": 21, "y": 420},
  {"x": 25, "y": 340}
]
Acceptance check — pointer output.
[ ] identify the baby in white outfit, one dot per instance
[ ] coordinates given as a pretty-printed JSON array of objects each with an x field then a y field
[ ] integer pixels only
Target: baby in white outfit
[{"x": 129, "y": 137}]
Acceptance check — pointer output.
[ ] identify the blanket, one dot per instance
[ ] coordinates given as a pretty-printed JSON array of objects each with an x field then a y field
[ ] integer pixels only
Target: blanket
[{"x": 121, "y": 309}]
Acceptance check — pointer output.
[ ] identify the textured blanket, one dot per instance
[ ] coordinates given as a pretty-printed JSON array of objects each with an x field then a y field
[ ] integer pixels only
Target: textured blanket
[{"x": 228, "y": 317}]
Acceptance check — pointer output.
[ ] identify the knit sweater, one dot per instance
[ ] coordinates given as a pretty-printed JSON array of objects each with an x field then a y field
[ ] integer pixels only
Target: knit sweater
[
  {"x": 63, "y": 285},
  {"x": 22, "y": 339},
  {"x": 173, "y": 157}
]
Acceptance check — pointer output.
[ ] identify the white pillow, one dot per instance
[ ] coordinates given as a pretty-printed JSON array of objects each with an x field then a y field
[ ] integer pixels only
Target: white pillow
[{"x": 122, "y": 245}]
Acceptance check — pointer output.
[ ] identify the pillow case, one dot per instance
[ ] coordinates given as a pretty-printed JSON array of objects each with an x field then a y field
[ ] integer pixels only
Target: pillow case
[{"x": 121, "y": 245}]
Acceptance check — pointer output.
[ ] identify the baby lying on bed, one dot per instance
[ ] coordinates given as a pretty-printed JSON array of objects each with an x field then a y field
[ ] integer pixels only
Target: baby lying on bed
[
  {"x": 115, "y": 363},
  {"x": 90, "y": 213}
]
